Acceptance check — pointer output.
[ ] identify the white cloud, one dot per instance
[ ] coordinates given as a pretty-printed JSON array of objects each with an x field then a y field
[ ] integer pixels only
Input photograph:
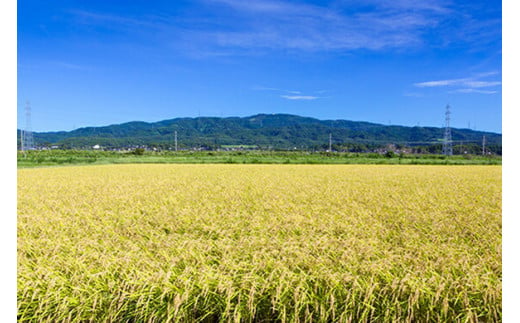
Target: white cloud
[
  {"x": 467, "y": 85},
  {"x": 347, "y": 24},
  {"x": 273, "y": 25},
  {"x": 477, "y": 84},
  {"x": 267, "y": 88},
  {"x": 290, "y": 94},
  {"x": 258, "y": 6},
  {"x": 439, "y": 83},
  {"x": 237, "y": 26},
  {"x": 299, "y": 97},
  {"x": 469, "y": 82},
  {"x": 474, "y": 91}
]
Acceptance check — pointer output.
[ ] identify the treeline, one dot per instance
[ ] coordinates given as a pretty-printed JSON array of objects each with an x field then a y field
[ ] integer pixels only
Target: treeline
[{"x": 471, "y": 149}]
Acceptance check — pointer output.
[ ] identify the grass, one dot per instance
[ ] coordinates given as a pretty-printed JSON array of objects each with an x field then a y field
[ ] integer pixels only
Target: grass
[{"x": 259, "y": 243}]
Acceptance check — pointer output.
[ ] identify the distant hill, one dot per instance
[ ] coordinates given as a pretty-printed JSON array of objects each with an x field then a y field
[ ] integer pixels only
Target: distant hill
[{"x": 275, "y": 131}]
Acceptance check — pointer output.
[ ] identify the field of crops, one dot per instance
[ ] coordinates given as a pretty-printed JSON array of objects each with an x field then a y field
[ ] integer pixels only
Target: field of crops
[{"x": 287, "y": 243}]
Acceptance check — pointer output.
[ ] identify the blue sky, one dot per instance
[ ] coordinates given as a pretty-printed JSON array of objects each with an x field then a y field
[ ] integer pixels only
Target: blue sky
[{"x": 400, "y": 62}]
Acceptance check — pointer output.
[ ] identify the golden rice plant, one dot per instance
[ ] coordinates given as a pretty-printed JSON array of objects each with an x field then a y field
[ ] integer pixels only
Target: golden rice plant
[{"x": 259, "y": 243}]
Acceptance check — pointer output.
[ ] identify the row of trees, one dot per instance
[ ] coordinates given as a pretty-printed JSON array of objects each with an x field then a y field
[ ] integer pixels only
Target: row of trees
[{"x": 460, "y": 149}]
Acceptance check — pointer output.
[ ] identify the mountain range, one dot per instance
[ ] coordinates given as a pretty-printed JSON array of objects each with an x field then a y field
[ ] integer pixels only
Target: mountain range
[{"x": 275, "y": 131}]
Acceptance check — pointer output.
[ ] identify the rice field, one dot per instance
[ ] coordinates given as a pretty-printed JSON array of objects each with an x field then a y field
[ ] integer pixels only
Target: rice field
[{"x": 260, "y": 243}]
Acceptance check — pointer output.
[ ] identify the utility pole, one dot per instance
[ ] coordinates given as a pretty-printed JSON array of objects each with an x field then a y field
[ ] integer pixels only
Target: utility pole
[
  {"x": 27, "y": 141},
  {"x": 330, "y": 142},
  {"x": 483, "y": 145},
  {"x": 21, "y": 141},
  {"x": 447, "y": 148},
  {"x": 175, "y": 140}
]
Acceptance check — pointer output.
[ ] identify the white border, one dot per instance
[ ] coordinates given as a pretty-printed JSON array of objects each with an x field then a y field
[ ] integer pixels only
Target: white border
[
  {"x": 8, "y": 305},
  {"x": 511, "y": 165}
]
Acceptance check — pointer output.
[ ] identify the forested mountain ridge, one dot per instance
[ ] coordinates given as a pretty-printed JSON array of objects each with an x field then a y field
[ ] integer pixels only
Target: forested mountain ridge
[{"x": 274, "y": 131}]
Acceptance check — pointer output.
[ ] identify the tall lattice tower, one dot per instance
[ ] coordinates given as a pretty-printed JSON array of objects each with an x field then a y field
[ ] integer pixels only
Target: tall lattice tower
[
  {"x": 447, "y": 148},
  {"x": 27, "y": 139}
]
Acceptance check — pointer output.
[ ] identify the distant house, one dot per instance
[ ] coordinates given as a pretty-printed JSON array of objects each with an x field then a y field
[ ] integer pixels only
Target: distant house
[{"x": 95, "y": 147}]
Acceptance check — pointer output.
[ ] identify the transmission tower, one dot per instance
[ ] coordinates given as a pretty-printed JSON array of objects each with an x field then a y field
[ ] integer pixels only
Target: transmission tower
[
  {"x": 447, "y": 148},
  {"x": 27, "y": 139}
]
